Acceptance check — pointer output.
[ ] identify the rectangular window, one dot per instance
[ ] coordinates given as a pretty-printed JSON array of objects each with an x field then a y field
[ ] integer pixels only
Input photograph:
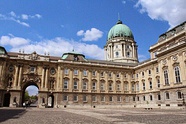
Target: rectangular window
[
  {"x": 94, "y": 85},
  {"x": 65, "y": 98},
  {"x": 143, "y": 85},
  {"x": 143, "y": 98},
  {"x": 75, "y": 98},
  {"x": 66, "y": 71},
  {"x": 157, "y": 70},
  {"x": 134, "y": 98},
  {"x": 102, "y": 74},
  {"x": 150, "y": 97},
  {"x": 110, "y": 86},
  {"x": 85, "y": 73},
  {"x": 75, "y": 72},
  {"x": 177, "y": 74},
  {"x": 84, "y": 85},
  {"x": 126, "y": 86},
  {"x": 75, "y": 85},
  {"x": 166, "y": 77},
  {"x": 138, "y": 98},
  {"x": 65, "y": 85},
  {"x": 94, "y": 98},
  {"x": 102, "y": 98},
  {"x": 167, "y": 95},
  {"x": 119, "y": 98},
  {"x": 93, "y": 73},
  {"x": 133, "y": 87},
  {"x": 149, "y": 72},
  {"x": 102, "y": 86},
  {"x": 110, "y": 98},
  {"x": 159, "y": 97},
  {"x": 118, "y": 86},
  {"x": 84, "y": 98},
  {"x": 158, "y": 82},
  {"x": 150, "y": 84},
  {"x": 137, "y": 87},
  {"x": 179, "y": 95}
]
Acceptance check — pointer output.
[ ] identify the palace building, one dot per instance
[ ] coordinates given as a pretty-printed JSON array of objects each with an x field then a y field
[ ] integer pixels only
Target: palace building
[{"x": 118, "y": 81}]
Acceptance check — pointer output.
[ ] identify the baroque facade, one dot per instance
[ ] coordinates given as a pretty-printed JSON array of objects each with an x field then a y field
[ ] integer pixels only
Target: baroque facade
[{"x": 119, "y": 81}]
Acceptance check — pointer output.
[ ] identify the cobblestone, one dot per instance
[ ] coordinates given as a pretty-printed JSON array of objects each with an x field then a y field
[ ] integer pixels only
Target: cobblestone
[{"x": 91, "y": 116}]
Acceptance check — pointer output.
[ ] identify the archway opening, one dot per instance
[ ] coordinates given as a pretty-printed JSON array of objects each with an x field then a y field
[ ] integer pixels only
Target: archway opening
[
  {"x": 30, "y": 96},
  {"x": 51, "y": 101},
  {"x": 6, "y": 101}
]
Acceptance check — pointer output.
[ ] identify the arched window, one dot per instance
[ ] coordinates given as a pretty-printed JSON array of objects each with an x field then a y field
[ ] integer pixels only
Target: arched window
[
  {"x": 177, "y": 74},
  {"x": 166, "y": 78}
]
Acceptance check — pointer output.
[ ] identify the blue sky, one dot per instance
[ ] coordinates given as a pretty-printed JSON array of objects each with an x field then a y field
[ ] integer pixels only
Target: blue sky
[{"x": 58, "y": 26}]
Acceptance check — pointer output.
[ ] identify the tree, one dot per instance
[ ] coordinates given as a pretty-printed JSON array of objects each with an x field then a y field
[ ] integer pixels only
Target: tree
[{"x": 27, "y": 97}]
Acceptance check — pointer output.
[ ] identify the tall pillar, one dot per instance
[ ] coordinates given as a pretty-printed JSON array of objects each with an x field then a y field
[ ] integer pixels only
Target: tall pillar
[
  {"x": 46, "y": 77},
  {"x": 89, "y": 80},
  {"x": 71, "y": 79},
  {"x": 133, "y": 50},
  {"x": 80, "y": 80},
  {"x": 16, "y": 76},
  {"x": 106, "y": 81},
  {"x": 58, "y": 77},
  {"x": 43, "y": 78},
  {"x": 124, "y": 50},
  {"x": 20, "y": 75}
]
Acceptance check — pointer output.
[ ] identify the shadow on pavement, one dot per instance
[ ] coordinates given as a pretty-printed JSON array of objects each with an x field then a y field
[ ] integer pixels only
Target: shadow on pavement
[{"x": 7, "y": 113}]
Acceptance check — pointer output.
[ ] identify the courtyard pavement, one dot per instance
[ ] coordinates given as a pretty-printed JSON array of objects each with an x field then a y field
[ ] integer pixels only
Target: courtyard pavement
[{"x": 91, "y": 116}]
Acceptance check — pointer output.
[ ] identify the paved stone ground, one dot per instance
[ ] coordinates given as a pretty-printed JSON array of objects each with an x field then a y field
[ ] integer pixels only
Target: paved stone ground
[{"x": 91, "y": 116}]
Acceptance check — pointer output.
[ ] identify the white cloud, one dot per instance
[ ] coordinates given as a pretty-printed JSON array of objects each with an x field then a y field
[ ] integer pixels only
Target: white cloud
[
  {"x": 90, "y": 35},
  {"x": 56, "y": 46},
  {"x": 13, "y": 41},
  {"x": 24, "y": 16},
  {"x": 123, "y": 2},
  {"x": 142, "y": 58},
  {"x": 18, "y": 19},
  {"x": 172, "y": 11}
]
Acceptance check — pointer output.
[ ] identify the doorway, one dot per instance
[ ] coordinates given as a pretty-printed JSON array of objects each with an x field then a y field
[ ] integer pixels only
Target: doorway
[
  {"x": 6, "y": 101},
  {"x": 51, "y": 101}
]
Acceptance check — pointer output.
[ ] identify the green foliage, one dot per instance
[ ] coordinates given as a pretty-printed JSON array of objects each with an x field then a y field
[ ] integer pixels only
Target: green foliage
[{"x": 27, "y": 97}]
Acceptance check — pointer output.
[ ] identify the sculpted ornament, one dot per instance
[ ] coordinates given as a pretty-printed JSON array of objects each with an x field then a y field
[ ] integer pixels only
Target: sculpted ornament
[
  {"x": 164, "y": 61},
  {"x": 174, "y": 58}
]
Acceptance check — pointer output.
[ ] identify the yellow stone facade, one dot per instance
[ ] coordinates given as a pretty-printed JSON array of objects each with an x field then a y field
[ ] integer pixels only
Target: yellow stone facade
[{"x": 74, "y": 81}]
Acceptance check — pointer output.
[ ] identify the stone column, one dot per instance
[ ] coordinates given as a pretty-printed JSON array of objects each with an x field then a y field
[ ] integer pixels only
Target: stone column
[
  {"x": 106, "y": 82},
  {"x": 129, "y": 82},
  {"x": 58, "y": 77},
  {"x": 61, "y": 78},
  {"x": 43, "y": 78},
  {"x": 16, "y": 76},
  {"x": 133, "y": 50},
  {"x": 20, "y": 75},
  {"x": 114, "y": 82},
  {"x": 71, "y": 79},
  {"x": 46, "y": 78},
  {"x": 89, "y": 80},
  {"x": 80, "y": 80},
  {"x": 122, "y": 86},
  {"x": 124, "y": 50}
]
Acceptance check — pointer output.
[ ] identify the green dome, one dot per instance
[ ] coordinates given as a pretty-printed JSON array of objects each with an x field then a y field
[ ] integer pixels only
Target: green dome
[{"x": 120, "y": 30}]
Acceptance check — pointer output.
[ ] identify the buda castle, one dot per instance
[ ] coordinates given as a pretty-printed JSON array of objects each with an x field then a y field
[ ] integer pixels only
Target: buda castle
[{"x": 120, "y": 80}]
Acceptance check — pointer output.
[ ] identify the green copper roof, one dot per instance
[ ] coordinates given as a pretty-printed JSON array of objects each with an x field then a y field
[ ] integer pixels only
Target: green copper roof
[
  {"x": 2, "y": 50},
  {"x": 120, "y": 30}
]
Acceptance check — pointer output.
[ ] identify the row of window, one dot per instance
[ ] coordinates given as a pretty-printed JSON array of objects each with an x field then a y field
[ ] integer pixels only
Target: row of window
[
  {"x": 85, "y": 73},
  {"x": 93, "y": 98},
  {"x": 119, "y": 98}
]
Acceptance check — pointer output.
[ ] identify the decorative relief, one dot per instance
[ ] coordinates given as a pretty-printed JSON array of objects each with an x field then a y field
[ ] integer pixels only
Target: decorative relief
[
  {"x": 11, "y": 68},
  {"x": 164, "y": 61},
  {"x": 31, "y": 79},
  {"x": 174, "y": 58}
]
